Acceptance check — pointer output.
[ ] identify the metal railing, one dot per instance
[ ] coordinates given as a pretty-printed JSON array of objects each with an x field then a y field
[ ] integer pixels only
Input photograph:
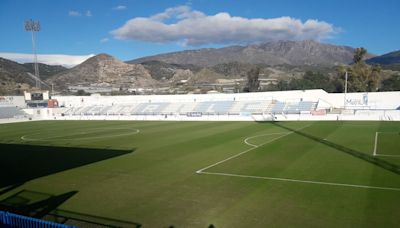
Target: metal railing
[{"x": 13, "y": 220}]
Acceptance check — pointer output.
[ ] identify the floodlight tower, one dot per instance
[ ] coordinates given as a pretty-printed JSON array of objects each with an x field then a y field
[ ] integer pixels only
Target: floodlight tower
[{"x": 34, "y": 26}]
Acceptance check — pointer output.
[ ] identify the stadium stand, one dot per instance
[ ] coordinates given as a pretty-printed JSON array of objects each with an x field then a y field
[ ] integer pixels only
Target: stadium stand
[
  {"x": 299, "y": 107},
  {"x": 11, "y": 107},
  {"x": 251, "y": 107},
  {"x": 279, "y": 105},
  {"x": 214, "y": 107},
  {"x": 173, "y": 108},
  {"x": 10, "y": 112},
  {"x": 206, "y": 107},
  {"x": 150, "y": 108},
  {"x": 186, "y": 107}
]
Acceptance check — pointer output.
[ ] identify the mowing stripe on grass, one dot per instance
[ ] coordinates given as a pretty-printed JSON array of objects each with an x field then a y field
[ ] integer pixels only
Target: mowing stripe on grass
[
  {"x": 303, "y": 181},
  {"x": 388, "y": 155},
  {"x": 202, "y": 171},
  {"x": 239, "y": 154},
  {"x": 133, "y": 132},
  {"x": 248, "y": 150}
]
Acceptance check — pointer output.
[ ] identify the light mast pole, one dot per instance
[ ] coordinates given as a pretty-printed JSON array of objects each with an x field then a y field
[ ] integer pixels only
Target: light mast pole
[{"x": 34, "y": 26}]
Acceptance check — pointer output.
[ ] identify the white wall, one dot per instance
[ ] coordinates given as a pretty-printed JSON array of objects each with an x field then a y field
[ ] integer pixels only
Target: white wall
[
  {"x": 12, "y": 101},
  {"x": 365, "y": 116},
  {"x": 376, "y": 100},
  {"x": 294, "y": 95},
  {"x": 375, "y": 106}
]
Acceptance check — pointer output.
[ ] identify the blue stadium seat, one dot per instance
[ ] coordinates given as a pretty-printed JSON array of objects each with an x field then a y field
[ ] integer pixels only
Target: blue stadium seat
[
  {"x": 278, "y": 107},
  {"x": 217, "y": 107}
]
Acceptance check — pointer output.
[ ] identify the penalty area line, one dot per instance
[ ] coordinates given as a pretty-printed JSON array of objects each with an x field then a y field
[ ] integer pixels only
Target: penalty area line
[
  {"x": 202, "y": 171},
  {"x": 253, "y": 147},
  {"x": 241, "y": 153},
  {"x": 302, "y": 181},
  {"x": 375, "y": 153}
]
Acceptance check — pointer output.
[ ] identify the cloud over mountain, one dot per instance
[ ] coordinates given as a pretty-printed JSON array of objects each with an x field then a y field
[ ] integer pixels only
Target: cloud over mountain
[
  {"x": 190, "y": 27},
  {"x": 64, "y": 60}
]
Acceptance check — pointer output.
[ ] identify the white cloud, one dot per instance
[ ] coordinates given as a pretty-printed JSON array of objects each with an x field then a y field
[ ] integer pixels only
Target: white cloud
[
  {"x": 120, "y": 7},
  {"x": 50, "y": 59},
  {"x": 190, "y": 27},
  {"x": 104, "y": 40},
  {"x": 74, "y": 13}
]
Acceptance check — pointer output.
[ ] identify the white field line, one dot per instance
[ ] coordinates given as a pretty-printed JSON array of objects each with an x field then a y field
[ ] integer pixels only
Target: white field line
[
  {"x": 303, "y": 181},
  {"x": 239, "y": 154},
  {"x": 256, "y": 136},
  {"x": 248, "y": 150},
  {"x": 376, "y": 146},
  {"x": 376, "y": 142},
  {"x": 134, "y": 131},
  {"x": 201, "y": 171}
]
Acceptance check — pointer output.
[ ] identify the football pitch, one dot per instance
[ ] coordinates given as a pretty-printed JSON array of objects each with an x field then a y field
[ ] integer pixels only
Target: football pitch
[{"x": 194, "y": 174}]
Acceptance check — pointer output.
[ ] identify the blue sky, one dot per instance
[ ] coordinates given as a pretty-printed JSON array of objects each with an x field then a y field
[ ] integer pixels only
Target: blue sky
[{"x": 83, "y": 27}]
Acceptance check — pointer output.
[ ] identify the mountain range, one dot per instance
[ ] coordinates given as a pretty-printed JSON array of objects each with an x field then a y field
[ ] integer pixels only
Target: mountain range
[
  {"x": 277, "y": 60},
  {"x": 16, "y": 77},
  {"x": 296, "y": 53},
  {"x": 386, "y": 59},
  {"x": 104, "y": 68}
]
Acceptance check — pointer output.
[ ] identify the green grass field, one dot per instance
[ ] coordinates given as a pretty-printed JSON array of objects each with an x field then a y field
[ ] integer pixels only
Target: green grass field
[{"x": 193, "y": 174}]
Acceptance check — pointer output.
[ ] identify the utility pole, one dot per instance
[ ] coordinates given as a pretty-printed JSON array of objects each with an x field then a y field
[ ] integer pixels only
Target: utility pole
[{"x": 34, "y": 26}]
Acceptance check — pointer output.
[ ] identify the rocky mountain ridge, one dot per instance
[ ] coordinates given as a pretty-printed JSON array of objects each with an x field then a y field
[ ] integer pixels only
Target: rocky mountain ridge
[
  {"x": 104, "y": 68},
  {"x": 386, "y": 59},
  {"x": 16, "y": 77},
  {"x": 294, "y": 53}
]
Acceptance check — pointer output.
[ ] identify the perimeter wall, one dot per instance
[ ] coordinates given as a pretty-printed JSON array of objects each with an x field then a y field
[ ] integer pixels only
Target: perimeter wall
[{"x": 338, "y": 106}]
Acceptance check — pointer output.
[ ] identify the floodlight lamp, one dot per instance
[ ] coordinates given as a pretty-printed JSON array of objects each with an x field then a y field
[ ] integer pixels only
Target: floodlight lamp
[{"x": 32, "y": 25}]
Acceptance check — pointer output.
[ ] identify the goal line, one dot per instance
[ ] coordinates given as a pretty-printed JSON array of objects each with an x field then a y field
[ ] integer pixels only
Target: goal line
[{"x": 375, "y": 153}]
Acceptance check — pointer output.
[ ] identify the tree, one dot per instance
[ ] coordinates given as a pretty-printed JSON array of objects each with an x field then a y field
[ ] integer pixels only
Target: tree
[
  {"x": 253, "y": 84},
  {"x": 374, "y": 78},
  {"x": 391, "y": 84},
  {"x": 310, "y": 80},
  {"x": 313, "y": 80},
  {"x": 359, "y": 54},
  {"x": 358, "y": 77},
  {"x": 362, "y": 77}
]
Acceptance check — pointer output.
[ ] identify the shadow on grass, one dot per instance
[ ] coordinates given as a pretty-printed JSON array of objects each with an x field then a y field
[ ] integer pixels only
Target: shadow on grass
[
  {"x": 44, "y": 206},
  {"x": 22, "y": 163},
  {"x": 86, "y": 220},
  {"x": 32, "y": 203},
  {"x": 368, "y": 158},
  {"x": 10, "y": 188}
]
